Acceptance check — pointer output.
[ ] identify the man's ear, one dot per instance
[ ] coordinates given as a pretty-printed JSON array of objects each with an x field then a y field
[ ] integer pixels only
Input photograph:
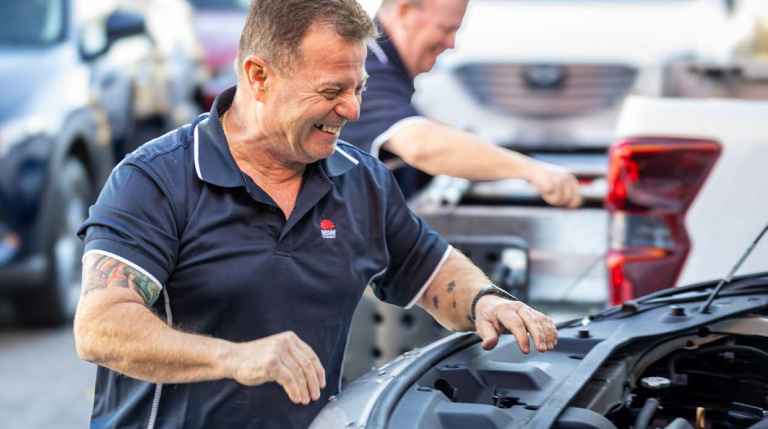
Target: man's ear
[
  {"x": 403, "y": 10},
  {"x": 257, "y": 71}
]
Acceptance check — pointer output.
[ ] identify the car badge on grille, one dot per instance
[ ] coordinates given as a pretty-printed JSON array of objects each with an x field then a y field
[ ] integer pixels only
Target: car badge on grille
[{"x": 544, "y": 76}]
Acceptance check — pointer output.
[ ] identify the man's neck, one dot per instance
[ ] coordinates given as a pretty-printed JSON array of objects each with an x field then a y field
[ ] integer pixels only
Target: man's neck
[
  {"x": 253, "y": 152},
  {"x": 395, "y": 36}
]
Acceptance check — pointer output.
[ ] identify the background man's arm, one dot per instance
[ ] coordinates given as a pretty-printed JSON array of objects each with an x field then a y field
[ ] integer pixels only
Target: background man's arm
[
  {"x": 439, "y": 149},
  {"x": 116, "y": 329},
  {"x": 449, "y": 300}
]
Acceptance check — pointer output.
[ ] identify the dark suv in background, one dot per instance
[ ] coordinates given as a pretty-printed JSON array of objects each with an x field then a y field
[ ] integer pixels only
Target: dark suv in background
[{"x": 56, "y": 142}]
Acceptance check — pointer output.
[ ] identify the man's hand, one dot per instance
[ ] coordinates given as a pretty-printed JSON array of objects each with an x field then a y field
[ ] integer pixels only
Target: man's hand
[
  {"x": 494, "y": 313},
  {"x": 283, "y": 358},
  {"x": 557, "y": 185}
]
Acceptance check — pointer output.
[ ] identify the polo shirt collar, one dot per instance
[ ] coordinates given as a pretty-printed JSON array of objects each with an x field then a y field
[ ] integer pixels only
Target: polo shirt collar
[{"x": 214, "y": 163}]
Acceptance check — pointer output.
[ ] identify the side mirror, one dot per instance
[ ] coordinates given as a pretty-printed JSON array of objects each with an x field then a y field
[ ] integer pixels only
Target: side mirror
[{"x": 121, "y": 24}]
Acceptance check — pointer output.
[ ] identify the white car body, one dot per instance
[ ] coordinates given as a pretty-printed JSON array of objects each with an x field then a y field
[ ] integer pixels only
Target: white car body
[
  {"x": 731, "y": 208},
  {"x": 626, "y": 36},
  {"x": 625, "y": 48}
]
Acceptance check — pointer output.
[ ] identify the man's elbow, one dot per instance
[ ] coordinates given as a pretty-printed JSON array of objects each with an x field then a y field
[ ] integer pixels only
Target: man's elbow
[
  {"x": 86, "y": 343},
  {"x": 416, "y": 153}
]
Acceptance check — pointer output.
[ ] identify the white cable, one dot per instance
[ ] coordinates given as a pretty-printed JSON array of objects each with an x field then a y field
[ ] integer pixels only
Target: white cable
[{"x": 159, "y": 386}]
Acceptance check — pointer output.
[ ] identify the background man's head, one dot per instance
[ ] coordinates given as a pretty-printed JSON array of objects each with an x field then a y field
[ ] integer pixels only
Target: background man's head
[
  {"x": 275, "y": 29},
  {"x": 422, "y": 29}
]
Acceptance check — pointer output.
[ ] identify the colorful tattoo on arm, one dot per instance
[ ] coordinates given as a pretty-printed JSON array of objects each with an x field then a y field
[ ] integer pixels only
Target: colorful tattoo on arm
[
  {"x": 104, "y": 271},
  {"x": 146, "y": 288}
]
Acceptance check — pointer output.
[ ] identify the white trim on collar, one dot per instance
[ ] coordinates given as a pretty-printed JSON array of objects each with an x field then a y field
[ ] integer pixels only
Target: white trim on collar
[
  {"x": 348, "y": 156},
  {"x": 197, "y": 150},
  {"x": 376, "y": 49}
]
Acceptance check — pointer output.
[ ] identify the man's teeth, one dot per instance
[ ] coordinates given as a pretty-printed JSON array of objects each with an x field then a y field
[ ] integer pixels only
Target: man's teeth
[{"x": 332, "y": 130}]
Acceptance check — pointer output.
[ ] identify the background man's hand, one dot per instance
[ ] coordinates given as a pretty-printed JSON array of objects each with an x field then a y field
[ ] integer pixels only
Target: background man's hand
[
  {"x": 283, "y": 358},
  {"x": 557, "y": 185},
  {"x": 494, "y": 313}
]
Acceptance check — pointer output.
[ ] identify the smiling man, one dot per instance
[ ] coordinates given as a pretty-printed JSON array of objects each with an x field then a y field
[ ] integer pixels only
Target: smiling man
[
  {"x": 416, "y": 32},
  {"x": 224, "y": 260}
]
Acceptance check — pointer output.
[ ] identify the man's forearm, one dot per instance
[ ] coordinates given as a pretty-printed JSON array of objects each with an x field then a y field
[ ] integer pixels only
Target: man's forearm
[
  {"x": 449, "y": 297},
  {"x": 131, "y": 340},
  {"x": 438, "y": 149},
  {"x": 115, "y": 328}
]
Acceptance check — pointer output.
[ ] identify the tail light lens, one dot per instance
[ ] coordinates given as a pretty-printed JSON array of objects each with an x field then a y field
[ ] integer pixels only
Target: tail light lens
[{"x": 652, "y": 183}]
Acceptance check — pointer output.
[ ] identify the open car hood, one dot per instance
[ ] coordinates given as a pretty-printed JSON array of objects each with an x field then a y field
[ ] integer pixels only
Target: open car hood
[{"x": 597, "y": 376}]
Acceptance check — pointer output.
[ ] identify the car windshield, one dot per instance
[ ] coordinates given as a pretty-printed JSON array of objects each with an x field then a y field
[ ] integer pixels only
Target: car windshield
[
  {"x": 221, "y": 4},
  {"x": 35, "y": 22}
]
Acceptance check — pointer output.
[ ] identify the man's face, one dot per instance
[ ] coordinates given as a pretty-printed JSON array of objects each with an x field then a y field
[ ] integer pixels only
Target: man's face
[
  {"x": 303, "y": 113},
  {"x": 430, "y": 30}
]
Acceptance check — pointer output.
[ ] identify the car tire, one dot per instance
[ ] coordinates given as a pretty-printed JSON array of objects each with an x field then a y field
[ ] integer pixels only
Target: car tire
[{"x": 55, "y": 303}]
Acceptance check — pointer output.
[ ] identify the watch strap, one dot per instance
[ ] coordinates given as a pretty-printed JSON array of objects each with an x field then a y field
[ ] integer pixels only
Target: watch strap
[{"x": 490, "y": 289}]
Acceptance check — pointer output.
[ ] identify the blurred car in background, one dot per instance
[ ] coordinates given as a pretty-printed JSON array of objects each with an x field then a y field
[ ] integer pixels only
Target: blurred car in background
[
  {"x": 687, "y": 191},
  {"x": 169, "y": 88},
  {"x": 548, "y": 78},
  {"x": 218, "y": 24},
  {"x": 79, "y": 79},
  {"x": 151, "y": 80},
  {"x": 54, "y": 152},
  {"x": 686, "y": 175}
]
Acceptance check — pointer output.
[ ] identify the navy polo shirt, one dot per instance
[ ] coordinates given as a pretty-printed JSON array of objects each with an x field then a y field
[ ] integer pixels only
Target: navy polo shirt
[
  {"x": 386, "y": 105},
  {"x": 180, "y": 210}
]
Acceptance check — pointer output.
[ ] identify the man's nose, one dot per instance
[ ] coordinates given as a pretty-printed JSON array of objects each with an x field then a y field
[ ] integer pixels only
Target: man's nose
[
  {"x": 450, "y": 41},
  {"x": 349, "y": 109}
]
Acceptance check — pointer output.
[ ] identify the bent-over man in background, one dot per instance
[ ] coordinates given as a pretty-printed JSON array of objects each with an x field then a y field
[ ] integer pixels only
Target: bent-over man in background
[
  {"x": 416, "y": 32},
  {"x": 225, "y": 259}
]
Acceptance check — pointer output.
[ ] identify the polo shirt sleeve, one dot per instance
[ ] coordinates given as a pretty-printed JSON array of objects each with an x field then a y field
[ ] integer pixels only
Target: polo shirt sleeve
[
  {"x": 133, "y": 221},
  {"x": 386, "y": 107},
  {"x": 416, "y": 253}
]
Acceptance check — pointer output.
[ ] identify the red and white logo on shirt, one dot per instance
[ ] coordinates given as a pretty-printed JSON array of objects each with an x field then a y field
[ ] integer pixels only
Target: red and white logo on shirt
[{"x": 327, "y": 228}]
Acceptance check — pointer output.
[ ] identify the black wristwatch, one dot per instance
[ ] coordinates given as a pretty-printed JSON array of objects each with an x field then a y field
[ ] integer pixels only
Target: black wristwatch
[{"x": 493, "y": 289}]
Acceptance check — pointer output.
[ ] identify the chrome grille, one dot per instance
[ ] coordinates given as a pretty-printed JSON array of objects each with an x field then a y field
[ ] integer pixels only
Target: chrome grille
[{"x": 563, "y": 90}]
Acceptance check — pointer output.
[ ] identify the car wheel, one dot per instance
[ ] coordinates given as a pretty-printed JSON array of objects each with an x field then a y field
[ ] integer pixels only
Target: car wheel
[{"x": 56, "y": 302}]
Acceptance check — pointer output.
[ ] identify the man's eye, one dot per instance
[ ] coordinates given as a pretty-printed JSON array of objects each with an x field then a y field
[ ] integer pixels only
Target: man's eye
[{"x": 330, "y": 94}]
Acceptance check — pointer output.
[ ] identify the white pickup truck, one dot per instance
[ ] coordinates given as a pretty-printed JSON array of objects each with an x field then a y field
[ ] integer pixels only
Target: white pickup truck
[{"x": 688, "y": 192}]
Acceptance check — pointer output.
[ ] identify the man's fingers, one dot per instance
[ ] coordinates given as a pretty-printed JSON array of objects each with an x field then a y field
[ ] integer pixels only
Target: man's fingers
[
  {"x": 535, "y": 328},
  {"x": 515, "y": 325},
  {"x": 309, "y": 371},
  {"x": 488, "y": 333},
  {"x": 298, "y": 375},
  {"x": 285, "y": 378},
  {"x": 319, "y": 370}
]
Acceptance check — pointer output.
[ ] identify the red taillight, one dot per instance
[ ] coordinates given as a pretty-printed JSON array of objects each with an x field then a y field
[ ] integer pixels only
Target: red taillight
[{"x": 652, "y": 182}]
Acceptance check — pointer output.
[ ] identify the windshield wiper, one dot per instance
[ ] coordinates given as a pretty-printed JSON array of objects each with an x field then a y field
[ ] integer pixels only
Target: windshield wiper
[{"x": 728, "y": 277}]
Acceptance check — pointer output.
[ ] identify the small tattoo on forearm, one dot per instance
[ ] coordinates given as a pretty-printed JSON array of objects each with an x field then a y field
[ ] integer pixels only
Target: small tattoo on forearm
[
  {"x": 435, "y": 302},
  {"x": 454, "y": 304},
  {"x": 451, "y": 285}
]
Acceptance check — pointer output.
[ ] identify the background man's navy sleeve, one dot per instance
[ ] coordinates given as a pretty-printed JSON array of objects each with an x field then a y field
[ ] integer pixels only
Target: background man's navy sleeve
[
  {"x": 133, "y": 221},
  {"x": 415, "y": 250}
]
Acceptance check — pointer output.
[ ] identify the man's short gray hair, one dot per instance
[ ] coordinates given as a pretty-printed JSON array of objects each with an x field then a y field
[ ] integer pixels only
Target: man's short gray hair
[
  {"x": 275, "y": 29},
  {"x": 386, "y": 4}
]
